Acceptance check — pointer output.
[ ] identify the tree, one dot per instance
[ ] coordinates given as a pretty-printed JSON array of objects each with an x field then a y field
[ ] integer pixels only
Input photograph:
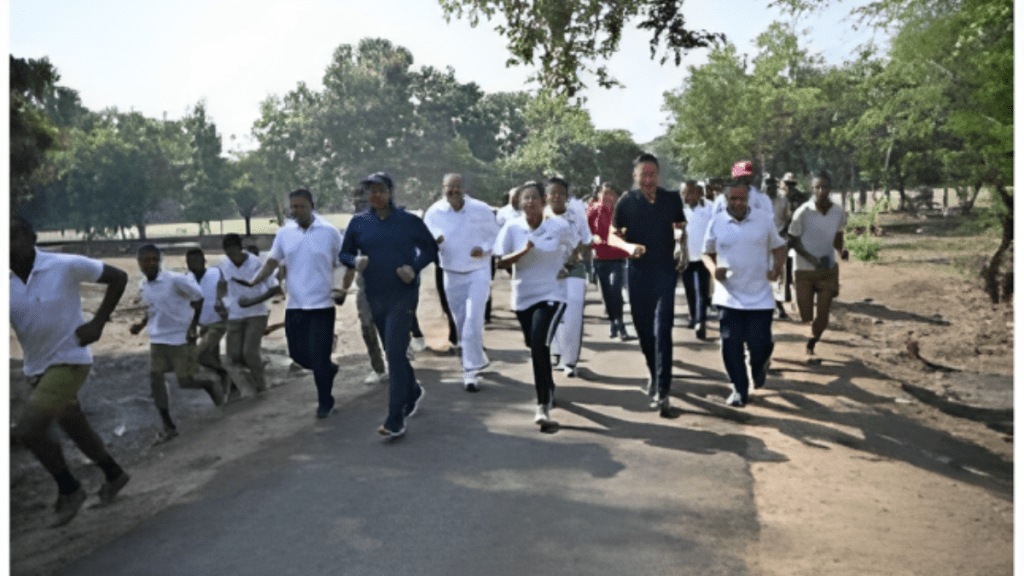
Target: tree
[
  {"x": 32, "y": 134},
  {"x": 570, "y": 38},
  {"x": 204, "y": 172}
]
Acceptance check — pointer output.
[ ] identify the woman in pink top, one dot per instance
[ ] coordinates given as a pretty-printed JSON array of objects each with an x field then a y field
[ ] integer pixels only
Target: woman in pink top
[{"x": 609, "y": 261}]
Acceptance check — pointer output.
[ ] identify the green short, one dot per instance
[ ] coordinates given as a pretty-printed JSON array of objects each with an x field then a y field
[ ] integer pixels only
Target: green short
[
  {"x": 182, "y": 359},
  {"x": 57, "y": 388}
]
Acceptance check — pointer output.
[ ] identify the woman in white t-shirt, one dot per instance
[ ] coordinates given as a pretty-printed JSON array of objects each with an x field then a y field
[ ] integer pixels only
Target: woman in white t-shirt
[{"x": 537, "y": 251}]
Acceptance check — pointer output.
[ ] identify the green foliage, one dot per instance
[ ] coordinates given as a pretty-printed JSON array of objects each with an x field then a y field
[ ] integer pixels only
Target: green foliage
[
  {"x": 31, "y": 131},
  {"x": 570, "y": 38},
  {"x": 859, "y": 237}
]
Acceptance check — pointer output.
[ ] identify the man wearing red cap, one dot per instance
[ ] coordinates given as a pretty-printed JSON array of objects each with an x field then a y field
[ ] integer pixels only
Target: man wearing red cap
[{"x": 743, "y": 174}]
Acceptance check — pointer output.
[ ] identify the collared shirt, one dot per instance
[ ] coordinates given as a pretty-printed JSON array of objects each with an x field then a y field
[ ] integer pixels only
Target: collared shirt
[
  {"x": 697, "y": 220},
  {"x": 535, "y": 275},
  {"x": 757, "y": 200},
  {"x": 816, "y": 231},
  {"x": 744, "y": 247},
  {"x": 46, "y": 310},
  {"x": 580, "y": 235},
  {"x": 169, "y": 297},
  {"x": 209, "y": 287},
  {"x": 310, "y": 256},
  {"x": 473, "y": 225},
  {"x": 599, "y": 218},
  {"x": 652, "y": 225},
  {"x": 249, "y": 268}
]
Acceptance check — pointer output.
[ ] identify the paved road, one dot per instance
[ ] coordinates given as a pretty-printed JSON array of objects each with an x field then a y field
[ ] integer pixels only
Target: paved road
[{"x": 475, "y": 487}]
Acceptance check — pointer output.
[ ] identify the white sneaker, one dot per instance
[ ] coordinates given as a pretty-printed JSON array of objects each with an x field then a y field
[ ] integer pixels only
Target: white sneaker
[
  {"x": 569, "y": 370},
  {"x": 374, "y": 377},
  {"x": 470, "y": 382},
  {"x": 543, "y": 417},
  {"x": 418, "y": 344}
]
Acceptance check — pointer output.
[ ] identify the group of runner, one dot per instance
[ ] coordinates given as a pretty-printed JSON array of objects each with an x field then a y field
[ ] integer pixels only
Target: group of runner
[{"x": 548, "y": 239}]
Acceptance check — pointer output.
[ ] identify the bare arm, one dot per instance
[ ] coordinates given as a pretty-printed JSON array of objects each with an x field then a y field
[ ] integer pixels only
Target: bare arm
[
  {"x": 116, "y": 280},
  {"x": 617, "y": 239},
  {"x": 263, "y": 274}
]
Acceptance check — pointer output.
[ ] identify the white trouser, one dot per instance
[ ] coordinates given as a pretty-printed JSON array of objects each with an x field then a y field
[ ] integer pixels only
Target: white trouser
[
  {"x": 569, "y": 337},
  {"x": 467, "y": 297}
]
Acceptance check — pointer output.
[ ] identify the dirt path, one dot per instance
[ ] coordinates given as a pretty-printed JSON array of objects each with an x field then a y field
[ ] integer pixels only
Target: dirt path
[{"x": 891, "y": 466}]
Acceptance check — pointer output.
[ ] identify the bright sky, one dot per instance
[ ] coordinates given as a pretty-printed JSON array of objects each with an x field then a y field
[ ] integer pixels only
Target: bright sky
[{"x": 163, "y": 56}]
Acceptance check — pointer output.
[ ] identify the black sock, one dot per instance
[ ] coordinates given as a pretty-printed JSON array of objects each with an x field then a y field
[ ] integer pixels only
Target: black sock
[
  {"x": 66, "y": 483},
  {"x": 110, "y": 469}
]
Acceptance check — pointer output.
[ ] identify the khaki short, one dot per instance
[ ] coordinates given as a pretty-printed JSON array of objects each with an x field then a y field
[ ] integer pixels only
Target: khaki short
[
  {"x": 57, "y": 388},
  {"x": 182, "y": 359}
]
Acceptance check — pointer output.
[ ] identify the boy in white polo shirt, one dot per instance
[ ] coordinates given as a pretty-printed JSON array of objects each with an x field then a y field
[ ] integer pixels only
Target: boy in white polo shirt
[
  {"x": 46, "y": 315},
  {"x": 246, "y": 309},
  {"x": 174, "y": 302},
  {"x": 736, "y": 249}
]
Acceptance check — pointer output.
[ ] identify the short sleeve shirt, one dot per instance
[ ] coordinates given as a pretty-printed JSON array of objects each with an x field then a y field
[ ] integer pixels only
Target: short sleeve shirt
[
  {"x": 208, "y": 285},
  {"x": 46, "y": 311},
  {"x": 816, "y": 231},
  {"x": 650, "y": 224},
  {"x": 309, "y": 256},
  {"x": 743, "y": 246},
  {"x": 535, "y": 275},
  {"x": 169, "y": 298},
  {"x": 249, "y": 268}
]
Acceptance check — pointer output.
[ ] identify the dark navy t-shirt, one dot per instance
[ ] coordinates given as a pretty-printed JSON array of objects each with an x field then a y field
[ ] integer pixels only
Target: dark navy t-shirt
[{"x": 652, "y": 225}]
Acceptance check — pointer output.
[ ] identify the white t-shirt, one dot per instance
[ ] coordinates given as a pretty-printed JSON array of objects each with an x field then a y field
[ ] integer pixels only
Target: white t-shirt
[
  {"x": 474, "y": 225},
  {"x": 577, "y": 221},
  {"x": 816, "y": 231},
  {"x": 535, "y": 275},
  {"x": 247, "y": 270},
  {"x": 310, "y": 256},
  {"x": 208, "y": 285},
  {"x": 744, "y": 247},
  {"x": 697, "y": 220},
  {"x": 46, "y": 311},
  {"x": 169, "y": 298}
]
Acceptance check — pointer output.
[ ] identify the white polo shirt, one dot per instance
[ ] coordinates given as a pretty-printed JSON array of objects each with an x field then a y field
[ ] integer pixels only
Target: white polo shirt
[
  {"x": 697, "y": 220},
  {"x": 247, "y": 270},
  {"x": 757, "y": 200},
  {"x": 577, "y": 221},
  {"x": 535, "y": 275},
  {"x": 474, "y": 225},
  {"x": 310, "y": 256},
  {"x": 208, "y": 285},
  {"x": 169, "y": 298},
  {"x": 744, "y": 247},
  {"x": 46, "y": 311},
  {"x": 817, "y": 231}
]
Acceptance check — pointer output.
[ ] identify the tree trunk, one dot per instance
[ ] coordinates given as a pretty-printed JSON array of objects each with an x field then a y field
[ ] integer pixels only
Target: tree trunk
[
  {"x": 141, "y": 226},
  {"x": 990, "y": 273},
  {"x": 248, "y": 228}
]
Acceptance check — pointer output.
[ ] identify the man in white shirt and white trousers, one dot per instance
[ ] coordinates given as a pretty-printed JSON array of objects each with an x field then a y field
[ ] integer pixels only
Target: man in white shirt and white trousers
[{"x": 465, "y": 230}]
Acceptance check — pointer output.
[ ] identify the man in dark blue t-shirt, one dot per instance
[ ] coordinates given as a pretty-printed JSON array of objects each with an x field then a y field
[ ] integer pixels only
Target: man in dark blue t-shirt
[{"x": 644, "y": 225}]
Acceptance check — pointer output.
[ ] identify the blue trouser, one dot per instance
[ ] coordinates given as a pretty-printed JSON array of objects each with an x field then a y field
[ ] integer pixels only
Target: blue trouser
[
  {"x": 393, "y": 313},
  {"x": 696, "y": 281},
  {"x": 310, "y": 335},
  {"x": 752, "y": 328},
  {"x": 538, "y": 323},
  {"x": 610, "y": 275},
  {"x": 652, "y": 294}
]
